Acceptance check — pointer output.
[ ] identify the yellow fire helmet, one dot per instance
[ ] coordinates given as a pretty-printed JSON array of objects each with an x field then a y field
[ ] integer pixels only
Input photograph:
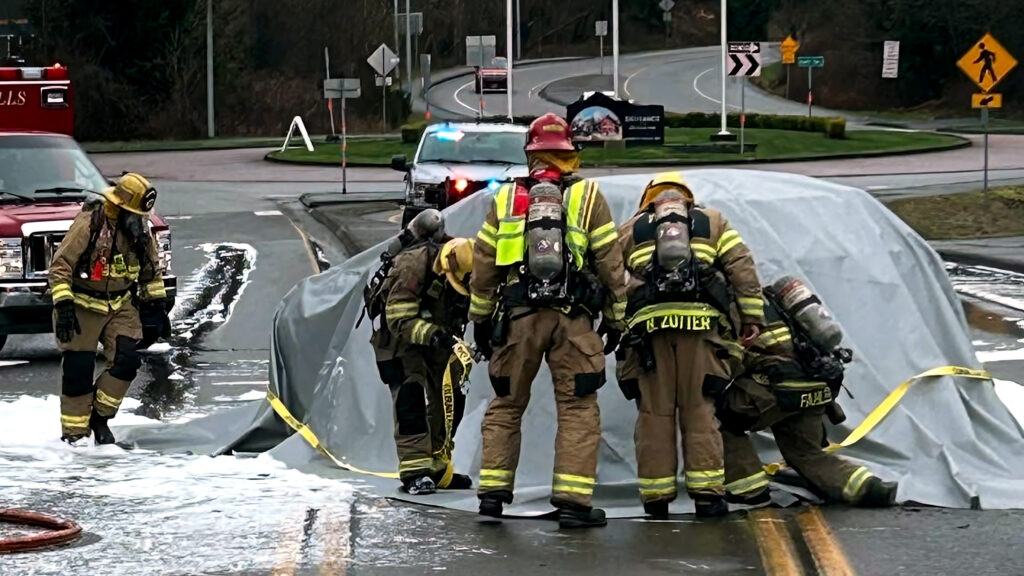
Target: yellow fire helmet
[
  {"x": 133, "y": 193},
  {"x": 663, "y": 182},
  {"x": 456, "y": 262}
]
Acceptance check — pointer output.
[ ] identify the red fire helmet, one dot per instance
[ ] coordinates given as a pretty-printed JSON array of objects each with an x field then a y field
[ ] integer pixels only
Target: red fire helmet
[{"x": 549, "y": 132}]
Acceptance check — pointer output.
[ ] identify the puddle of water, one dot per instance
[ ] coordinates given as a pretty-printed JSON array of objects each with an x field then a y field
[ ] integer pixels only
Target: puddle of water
[{"x": 989, "y": 284}]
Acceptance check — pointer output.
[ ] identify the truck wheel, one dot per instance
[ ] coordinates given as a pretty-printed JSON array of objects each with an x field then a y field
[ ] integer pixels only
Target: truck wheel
[
  {"x": 3, "y": 340},
  {"x": 408, "y": 214}
]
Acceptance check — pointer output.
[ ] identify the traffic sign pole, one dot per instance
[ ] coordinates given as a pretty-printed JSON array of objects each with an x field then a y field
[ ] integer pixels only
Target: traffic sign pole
[
  {"x": 743, "y": 113},
  {"x": 984, "y": 124},
  {"x": 810, "y": 91},
  {"x": 615, "y": 48},
  {"x": 725, "y": 58},
  {"x": 344, "y": 149}
]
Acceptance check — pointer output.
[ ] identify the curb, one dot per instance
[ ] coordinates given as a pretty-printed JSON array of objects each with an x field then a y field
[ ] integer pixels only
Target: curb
[
  {"x": 971, "y": 258},
  {"x": 963, "y": 143},
  {"x": 277, "y": 145}
]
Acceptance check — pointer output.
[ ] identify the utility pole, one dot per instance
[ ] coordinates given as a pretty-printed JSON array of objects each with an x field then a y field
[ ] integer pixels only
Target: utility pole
[
  {"x": 519, "y": 33},
  {"x": 398, "y": 46},
  {"x": 210, "y": 128},
  {"x": 508, "y": 60},
  {"x": 725, "y": 45},
  {"x": 615, "y": 47},
  {"x": 408, "y": 49}
]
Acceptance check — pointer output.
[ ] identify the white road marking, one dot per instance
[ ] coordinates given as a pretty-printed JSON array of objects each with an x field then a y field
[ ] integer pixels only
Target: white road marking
[
  {"x": 268, "y": 213},
  {"x": 705, "y": 96},
  {"x": 177, "y": 217},
  {"x": 12, "y": 362},
  {"x": 460, "y": 102},
  {"x": 879, "y": 187}
]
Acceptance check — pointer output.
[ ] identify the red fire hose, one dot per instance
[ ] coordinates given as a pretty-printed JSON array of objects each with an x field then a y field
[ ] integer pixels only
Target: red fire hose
[{"x": 58, "y": 531}]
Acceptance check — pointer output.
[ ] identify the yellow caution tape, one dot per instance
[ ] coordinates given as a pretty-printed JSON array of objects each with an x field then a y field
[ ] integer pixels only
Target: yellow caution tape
[
  {"x": 882, "y": 410},
  {"x": 310, "y": 437}
]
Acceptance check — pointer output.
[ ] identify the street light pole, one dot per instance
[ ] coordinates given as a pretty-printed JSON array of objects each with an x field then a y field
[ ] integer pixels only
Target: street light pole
[
  {"x": 725, "y": 45},
  {"x": 615, "y": 47},
  {"x": 210, "y": 129}
]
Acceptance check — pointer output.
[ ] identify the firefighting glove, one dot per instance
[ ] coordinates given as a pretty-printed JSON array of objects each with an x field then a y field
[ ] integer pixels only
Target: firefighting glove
[
  {"x": 153, "y": 315},
  {"x": 67, "y": 324},
  {"x": 482, "y": 333},
  {"x": 611, "y": 336},
  {"x": 630, "y": 388},
  {"x": 442, "y": 341}
]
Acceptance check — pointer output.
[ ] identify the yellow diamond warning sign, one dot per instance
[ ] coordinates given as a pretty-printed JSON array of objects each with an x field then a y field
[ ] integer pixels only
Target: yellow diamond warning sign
[{"x": 987, "y": 63}]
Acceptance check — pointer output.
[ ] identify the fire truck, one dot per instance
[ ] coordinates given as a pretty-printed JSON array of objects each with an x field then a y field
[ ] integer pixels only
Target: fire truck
[
  {"x": 38, "y": 99},
  {"x": 45, "y": 176}
]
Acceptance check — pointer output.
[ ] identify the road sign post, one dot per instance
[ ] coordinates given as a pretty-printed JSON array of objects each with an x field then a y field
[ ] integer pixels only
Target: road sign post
[
  {"x": 601, "y": 30},
  {"x": 743, "y": 114},
  {"x": 987, "y": 63},
  {"x": 745, "y": 61},
  {"x": 810, "y": 62},
  {"x": 343, "y": 88},
  {"x": 383, "y": 61},
  {"x": 480, "y": 50},
  {"x": 789, "y": 48}
]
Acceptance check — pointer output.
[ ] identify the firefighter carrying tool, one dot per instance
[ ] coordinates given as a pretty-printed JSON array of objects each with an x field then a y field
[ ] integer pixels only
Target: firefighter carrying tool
[
  {"x": 692, "y": 280},
  {"x": 791, "y": 377},
  {"x": 548, "y": 251},
  {"x": 418, "y": 348},
  {"x": 104, "y": 275}
]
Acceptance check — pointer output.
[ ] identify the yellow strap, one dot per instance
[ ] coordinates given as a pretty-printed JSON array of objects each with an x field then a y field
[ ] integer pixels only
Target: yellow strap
[
  {"x": 894, "y": 397},
  {"x": 310, "y": 437},
  {"x": 882, "y": 410}
]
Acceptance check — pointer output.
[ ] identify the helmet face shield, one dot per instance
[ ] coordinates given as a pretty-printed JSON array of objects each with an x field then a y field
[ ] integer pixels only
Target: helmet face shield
[
  {"x": 666, "y": 181},
  {"x": 549, "y": 133}
]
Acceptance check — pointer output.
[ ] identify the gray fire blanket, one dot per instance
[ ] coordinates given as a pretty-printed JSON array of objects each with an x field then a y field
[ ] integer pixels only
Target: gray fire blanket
[{"x": 949, "y": 441}]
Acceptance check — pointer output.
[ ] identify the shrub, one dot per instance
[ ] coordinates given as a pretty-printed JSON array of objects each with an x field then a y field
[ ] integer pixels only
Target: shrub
[{"x": 835, "y": 128}]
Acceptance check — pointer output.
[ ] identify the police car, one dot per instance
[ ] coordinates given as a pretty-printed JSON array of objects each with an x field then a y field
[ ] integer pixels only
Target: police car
[{"x": 454, "y": 160}]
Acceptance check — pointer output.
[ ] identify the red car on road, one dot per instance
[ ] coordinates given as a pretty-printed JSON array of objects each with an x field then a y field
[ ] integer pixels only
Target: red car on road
[{"x": 44, "y": 179}]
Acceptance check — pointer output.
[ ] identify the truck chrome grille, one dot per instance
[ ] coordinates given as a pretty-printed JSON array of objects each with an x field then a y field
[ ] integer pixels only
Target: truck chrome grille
[{"x": 39, "y": 253}]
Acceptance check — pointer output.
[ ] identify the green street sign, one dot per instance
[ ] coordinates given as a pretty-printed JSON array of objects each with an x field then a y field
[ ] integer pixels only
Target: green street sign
[{"x": 811, "y": 61}]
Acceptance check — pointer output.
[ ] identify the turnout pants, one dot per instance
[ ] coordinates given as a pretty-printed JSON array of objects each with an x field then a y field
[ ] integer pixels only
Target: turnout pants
[
  {"x": 120, "y": 332},
  {"x": 427, "y": 414},
  {"x": 575, "y": 356},
  {"x": 800, "y": 437},
  {"x": 687, "y": 366}
]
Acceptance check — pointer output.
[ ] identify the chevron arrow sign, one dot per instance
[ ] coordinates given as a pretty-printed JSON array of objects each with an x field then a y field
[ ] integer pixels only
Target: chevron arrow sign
[{"x": 744, "y": 59}]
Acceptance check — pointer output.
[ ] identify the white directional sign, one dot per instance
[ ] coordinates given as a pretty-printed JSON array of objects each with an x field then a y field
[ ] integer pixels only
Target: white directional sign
[
  {"x": 744, "y": 58},
  {"x": 383, "y": 60},
  {"x": 666, "y": 5},
  {"x": 601, "y": 28},
  {"x": 891, "y": 59}
]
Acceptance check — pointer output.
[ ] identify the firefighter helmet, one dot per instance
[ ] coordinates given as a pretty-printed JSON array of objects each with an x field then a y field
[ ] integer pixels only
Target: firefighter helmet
[
  {"x": 133, "y": 193},
  {"x": 549, "y": 132},
  {"x": 663, "y": 182},
  {"x": 456, "y": 262}
]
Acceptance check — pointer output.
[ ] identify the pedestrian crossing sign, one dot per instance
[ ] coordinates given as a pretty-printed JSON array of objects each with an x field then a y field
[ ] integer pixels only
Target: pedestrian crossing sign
[{"x": 987, "y": 63}]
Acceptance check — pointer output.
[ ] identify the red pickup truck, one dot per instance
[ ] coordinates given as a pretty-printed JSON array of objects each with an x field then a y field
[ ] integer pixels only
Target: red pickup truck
[{"x": 44, "y": 179}]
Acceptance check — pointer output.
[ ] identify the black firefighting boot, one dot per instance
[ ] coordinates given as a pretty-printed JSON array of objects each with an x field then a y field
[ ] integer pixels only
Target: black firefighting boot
[
  {"x": 460, "y": 482},
  {"x": 73, "y": 439},
  {"x": 100, "y": 430},
  {"x": 492, "y": 503},
  {"x": 576, "y": 516},
  {"x": 419, "y": 486},
  {"x": 657, "y": 510},
  {"x": 710, "y": 506},
  {"x": 758, "y": 500},
  {"x": 876, "y": 493}
]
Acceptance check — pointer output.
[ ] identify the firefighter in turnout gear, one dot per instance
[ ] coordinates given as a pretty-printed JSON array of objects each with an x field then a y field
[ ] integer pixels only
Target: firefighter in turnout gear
[
  {"x": 791, "y": 377},
  {"x": 692, "y": 281},
  {"x": 103, "y": 274},
  {"x": 425, "y": 302},
  {"x": 548, "y": 253}
]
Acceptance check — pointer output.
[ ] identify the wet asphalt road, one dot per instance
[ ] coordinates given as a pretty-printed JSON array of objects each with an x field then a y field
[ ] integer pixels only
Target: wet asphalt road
[{"x": 218, "y": 224}]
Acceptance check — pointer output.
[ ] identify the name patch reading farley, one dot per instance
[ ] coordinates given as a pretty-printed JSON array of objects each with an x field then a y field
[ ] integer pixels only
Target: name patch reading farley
[{"x": 818, "y": 398}]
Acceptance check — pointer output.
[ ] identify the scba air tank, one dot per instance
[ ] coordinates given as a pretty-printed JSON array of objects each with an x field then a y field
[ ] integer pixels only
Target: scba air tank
[
  {"x": 807, "y": 310},
  {"x": 544, "y": 236},
  {"x": 673, "y": 231}
]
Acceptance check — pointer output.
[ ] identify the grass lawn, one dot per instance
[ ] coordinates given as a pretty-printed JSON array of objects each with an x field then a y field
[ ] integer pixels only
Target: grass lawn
[
  {"x": 999, "y": 212},
  {"x": 771, "y": 145}
]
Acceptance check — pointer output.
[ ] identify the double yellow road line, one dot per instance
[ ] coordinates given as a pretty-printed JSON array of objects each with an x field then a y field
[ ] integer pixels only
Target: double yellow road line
[{"x": 778, "y": 551}]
